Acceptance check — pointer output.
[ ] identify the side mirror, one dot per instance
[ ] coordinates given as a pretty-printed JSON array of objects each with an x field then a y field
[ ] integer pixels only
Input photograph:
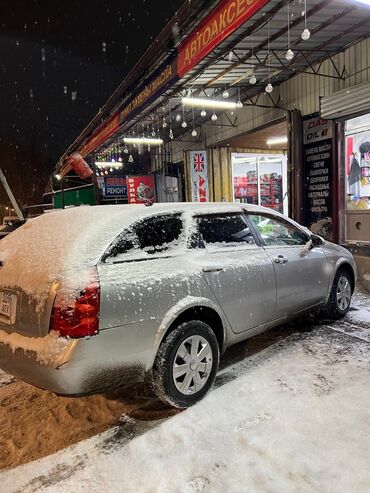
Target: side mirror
[{"x": 316, "y": 240}]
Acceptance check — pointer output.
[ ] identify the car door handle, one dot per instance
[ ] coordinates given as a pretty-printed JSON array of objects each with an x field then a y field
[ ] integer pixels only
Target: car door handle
[
  {"x": 212, "y": 268},
  {"x": 280, "y": 259}
]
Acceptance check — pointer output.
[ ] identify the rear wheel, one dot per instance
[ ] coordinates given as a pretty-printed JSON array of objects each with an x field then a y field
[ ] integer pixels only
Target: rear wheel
[
  {"x": 186, "y": 364},
  {"x": 340, "y": 296}
]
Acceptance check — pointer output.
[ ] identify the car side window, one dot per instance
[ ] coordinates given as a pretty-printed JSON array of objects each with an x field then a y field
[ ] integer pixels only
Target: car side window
[
  {"x": 145, "y": 238},
  {"x": 159, "y": 233},
  {"x": 225, "y": 230},
  {"x": 277, "y": 232}
]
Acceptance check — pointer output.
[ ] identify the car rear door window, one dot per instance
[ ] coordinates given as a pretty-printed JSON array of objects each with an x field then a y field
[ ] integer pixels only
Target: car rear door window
[
  {"x": 277, "y": 232},
  {"x": 225, "y": 230}
]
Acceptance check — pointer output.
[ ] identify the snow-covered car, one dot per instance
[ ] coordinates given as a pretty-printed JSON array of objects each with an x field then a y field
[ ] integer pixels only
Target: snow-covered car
[{"x": 93, "y": 297}]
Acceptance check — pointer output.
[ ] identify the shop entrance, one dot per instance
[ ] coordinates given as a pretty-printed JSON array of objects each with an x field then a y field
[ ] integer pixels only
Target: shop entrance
[
  {"x": 259, "y": 167},
  {"x": 357, "y": 183}
]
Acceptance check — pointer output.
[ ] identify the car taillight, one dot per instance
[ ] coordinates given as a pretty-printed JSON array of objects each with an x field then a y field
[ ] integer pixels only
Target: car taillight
[{"x": 79, "y": 317}]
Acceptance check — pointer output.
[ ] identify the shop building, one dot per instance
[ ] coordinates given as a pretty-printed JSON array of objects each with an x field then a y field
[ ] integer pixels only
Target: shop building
[{"x": 255, "y": 101}]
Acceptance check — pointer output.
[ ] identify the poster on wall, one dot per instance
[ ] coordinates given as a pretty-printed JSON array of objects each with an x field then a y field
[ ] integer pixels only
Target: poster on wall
[
  {"x": 141, "y": 189},
  {"x": 199, "y": 176},
  {"x": 318, "y": 158}
]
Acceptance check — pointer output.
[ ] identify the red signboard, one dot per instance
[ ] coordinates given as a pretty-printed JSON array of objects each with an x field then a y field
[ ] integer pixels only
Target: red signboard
[
  {"x": 214, "y": 29},
  {"x": 107, "y": 130},
  {"x": 141, "y": 189}
]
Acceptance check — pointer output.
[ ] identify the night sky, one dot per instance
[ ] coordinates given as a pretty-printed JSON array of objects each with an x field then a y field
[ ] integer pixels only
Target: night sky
[{"x": 59, "y": 63}]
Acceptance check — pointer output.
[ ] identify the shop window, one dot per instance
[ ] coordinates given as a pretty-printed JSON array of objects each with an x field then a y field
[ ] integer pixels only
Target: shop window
[
  {"x": 226, "y": 229},
  {"x": 260, "y": 180},
  {"x": 358, "y": 162},
  {"x": 278, "y": 233}
]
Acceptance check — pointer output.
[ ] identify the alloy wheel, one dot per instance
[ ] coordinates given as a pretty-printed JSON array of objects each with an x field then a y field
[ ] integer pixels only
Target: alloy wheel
[
  {"x": 192, "y": 365},
  {"x": 343, "y": 293}
]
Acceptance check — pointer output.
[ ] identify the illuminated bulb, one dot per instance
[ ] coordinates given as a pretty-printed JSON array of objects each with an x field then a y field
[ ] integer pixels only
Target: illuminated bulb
[
  {"x": 225, "y": 94},
  {"x": 239, "y": 104},
  {"x": 203, "y": 113},
  {"x": 101, "y": 174},
  {"x": 120, "y": 159},
  {"x": 125, "y": 150},
  {"x": 97, "y": 173},
  {"x": 184, "y": 124},
  {"x": 306, "y": 34},
  {"x": 289, "y": 55},
  {"x": 214, "y": 117},
  {"x": 153, "y": 133},
  {"x": 252, "y": 79},
  {"x": 194, "y": 133},
  {"x": 170, "y": 134},
  {"x": 111, "y": 170},
  {"x": 130, "y": 159},
  {"x": 113, "y": 160},
  {"x": 178, "y": 117},
  {"x": 269, "y": 88},
  {"x": 106, "y": 172}
]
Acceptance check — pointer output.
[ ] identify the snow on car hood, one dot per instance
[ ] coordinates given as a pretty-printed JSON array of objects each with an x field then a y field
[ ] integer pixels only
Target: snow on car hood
[{"x": 60, "y": 246}]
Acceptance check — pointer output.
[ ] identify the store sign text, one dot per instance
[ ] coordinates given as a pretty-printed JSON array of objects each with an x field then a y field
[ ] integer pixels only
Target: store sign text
[
  {"x": 199, "y": 176},
  {"x": 222, "y": 22}
]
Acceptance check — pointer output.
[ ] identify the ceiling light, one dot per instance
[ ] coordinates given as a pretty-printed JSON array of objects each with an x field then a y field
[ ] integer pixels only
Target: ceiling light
[
  {"x": 305, "y": 35},
  {"x": 269, "y": 88},
  {"x": 108, "y": 164},
  {"x": 276, "y": 140},
  {"x": 252, "y": 79},
  {"x": 366, "y": 2},
  {"x": 142, "y": 140},
  {"x": 209, "y": 103}
]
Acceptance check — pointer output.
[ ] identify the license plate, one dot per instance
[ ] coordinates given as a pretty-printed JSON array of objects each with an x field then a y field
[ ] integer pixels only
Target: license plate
[{"x": 7, "y": 305}]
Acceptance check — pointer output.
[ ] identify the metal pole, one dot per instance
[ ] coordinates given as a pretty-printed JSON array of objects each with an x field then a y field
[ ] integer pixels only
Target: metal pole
[
  {"x": 11, "y": 196},
  {"x": 62, "y": 192}
]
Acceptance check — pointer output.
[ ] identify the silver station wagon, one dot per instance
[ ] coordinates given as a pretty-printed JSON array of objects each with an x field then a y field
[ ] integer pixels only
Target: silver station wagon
[{"x": 94, "y": 297}]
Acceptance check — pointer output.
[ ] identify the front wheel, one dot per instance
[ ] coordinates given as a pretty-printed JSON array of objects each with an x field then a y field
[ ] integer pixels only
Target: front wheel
[
  {"x": 340, "y": 296},
  {"x": 186, "y": 364}
]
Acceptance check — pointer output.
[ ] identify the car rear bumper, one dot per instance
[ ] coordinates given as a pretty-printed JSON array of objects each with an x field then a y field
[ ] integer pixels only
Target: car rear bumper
[{"x": 83, "y": 366}]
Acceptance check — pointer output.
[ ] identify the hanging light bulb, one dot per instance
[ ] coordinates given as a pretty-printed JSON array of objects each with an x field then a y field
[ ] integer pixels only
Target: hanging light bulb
[
  {"x": 164, "y": 124},
  {"x": 101, "y": 174},
  {"x": 239, "y": 104},
  {"x": 125, "y": 150},
  {"x": 113, "y": 160},
  {"x": 214, "y": 117},
  {"x": 225, "y": 94},
  {"x": 269, "y": 88},
  {"x": 97, "y": 173},
  {"x": 130, "y": 159},
  {"x": 203, "y": 113},
  {"x": 106, "y": 171},
  {"x": 252, "y": 79},
  {"x": 178, "y": 117},
  {"x": 120, "y": 159},
  {"x": 306, "y": 34},
  {"x": 111, "y": 170},
  {"x": 170, "y": 134},
  {"x": 289, "y": 55},
  {"x": 153, "y": 132},
  {"x": 194, "y": 133},
  {"x": 184, "y": 124}
]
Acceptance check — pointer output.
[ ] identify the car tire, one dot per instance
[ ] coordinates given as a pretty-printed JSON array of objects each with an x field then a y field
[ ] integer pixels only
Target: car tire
[
  {"x": 186, "y": 364},
  {"x": 340, "y": 296}
]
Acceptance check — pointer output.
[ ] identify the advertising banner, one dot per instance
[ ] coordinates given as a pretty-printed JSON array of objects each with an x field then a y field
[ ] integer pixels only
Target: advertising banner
[
  {"x": 115, "y": 186},
  {"x": 199, "y": 176},
  {"x": 141, "y": 189},
  {"x": 318, "y": 162}
]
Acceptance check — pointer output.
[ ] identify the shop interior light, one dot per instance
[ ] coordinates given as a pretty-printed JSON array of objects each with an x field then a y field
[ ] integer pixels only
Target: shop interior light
[
  {"x": 108, "y": 164},
  {"x": 276, "y": 140},
  {"x": 143, "y": 140},
  {"x": 366, "y": 2},
  {"x": 208, "y": 103}
]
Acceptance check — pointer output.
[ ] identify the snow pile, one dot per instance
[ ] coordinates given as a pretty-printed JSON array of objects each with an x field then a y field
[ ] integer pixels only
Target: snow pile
[
  {"x": 48, "y": 350},
  {"x": 298, "y": 420}
]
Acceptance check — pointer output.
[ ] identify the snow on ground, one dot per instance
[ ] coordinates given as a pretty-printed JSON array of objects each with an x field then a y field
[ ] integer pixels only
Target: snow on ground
[{"x": 294, "y": 416}]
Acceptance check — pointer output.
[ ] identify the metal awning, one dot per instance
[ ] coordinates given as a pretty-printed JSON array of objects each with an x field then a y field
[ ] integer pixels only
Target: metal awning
[{"x": 257, "y": 47}]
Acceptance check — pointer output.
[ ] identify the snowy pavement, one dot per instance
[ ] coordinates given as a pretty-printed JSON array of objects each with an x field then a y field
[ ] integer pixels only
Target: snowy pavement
[{"x": 290, "y": 412}]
